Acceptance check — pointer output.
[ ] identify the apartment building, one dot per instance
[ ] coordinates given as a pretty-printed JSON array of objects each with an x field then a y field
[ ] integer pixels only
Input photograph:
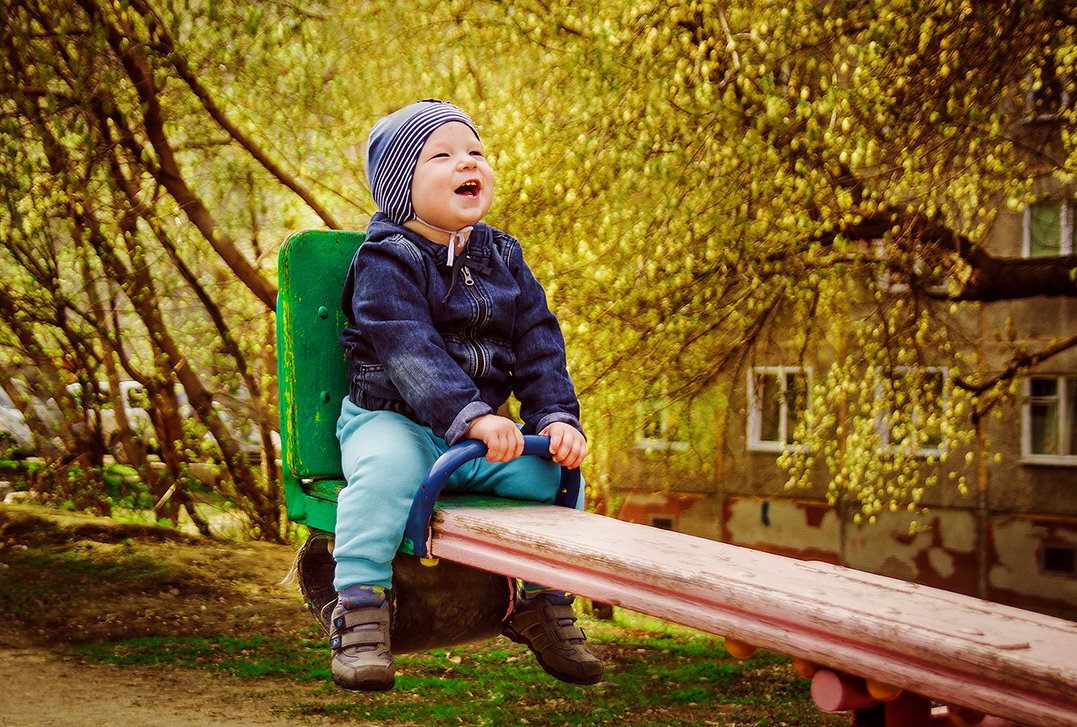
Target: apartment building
[{"x": 1009, "y": 537}]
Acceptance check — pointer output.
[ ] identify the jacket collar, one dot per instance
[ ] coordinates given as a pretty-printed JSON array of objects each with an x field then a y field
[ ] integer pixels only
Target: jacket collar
[{"x": 476, "y": 257}]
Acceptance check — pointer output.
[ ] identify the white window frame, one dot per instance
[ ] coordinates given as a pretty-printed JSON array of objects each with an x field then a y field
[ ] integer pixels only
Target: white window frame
[
  {"x": 755, "y": 409},
  {"x": 883, "y": 422},
  {"x": 1034, "y": 97},
  {"x": 662, "y": 442},
  {"x": 889, "y": 283},
  {"x": 882, "y": 278},
  {"x": 1066, "y": 222},
  {"x": 1065, "y": 425}
]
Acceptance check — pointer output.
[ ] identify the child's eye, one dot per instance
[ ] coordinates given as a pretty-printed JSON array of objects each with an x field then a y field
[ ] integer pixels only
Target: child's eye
[{"x": 440, "y": 155}]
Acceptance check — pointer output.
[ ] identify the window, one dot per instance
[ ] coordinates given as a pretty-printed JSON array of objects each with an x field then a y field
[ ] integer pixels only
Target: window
[
  {"x": 659, "y": 424},
  {"x": 912, "y": 417},
  {"x": 893, "y": 274},
  {"x": 884, "y": 278},
  {"x": 1048, "y": 229},
  {"x": 777, "y": 400},
  {"x": 1050, "y": 435},
  {"x": 662, "y": 522},
  {"x": 1059, "y": 559},
  {"x": 1050, "y": 92}
]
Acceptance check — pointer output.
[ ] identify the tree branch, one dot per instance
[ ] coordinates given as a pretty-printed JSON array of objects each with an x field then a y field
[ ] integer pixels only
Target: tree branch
[
  {"x": 1021, "y": 361},
  {"x": 166, "y": 45},
  {"x": 991, "y": 278},
  {"x": 138, "y": 70}
]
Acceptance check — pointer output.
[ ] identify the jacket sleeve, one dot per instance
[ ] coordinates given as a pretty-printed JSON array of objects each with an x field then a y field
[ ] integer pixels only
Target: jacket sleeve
[
  {"x": 389, "y": 305},
  {"x": 540, "y": 378}
]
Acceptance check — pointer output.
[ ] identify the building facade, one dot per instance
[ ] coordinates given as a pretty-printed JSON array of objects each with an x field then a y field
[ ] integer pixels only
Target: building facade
[{"x": 1009, "y": 537}]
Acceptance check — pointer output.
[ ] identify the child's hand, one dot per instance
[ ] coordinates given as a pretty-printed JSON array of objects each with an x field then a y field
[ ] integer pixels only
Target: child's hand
[
  {"x": 567, "y": 444},
  {"x": 501, "y": 436}
]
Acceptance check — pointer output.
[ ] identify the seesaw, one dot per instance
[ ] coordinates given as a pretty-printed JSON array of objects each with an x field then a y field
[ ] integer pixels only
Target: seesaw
[{"x": 889, "y": 652}]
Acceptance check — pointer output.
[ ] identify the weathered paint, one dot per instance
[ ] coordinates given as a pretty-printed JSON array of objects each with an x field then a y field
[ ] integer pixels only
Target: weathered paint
[
  {"x": 311, "y": 371},
  {"x": 639, "y": 507},
  {"x": 797, "y": 528},
  {"x": 943, "y": 551},
  {"x": 1017, "y": 576}
]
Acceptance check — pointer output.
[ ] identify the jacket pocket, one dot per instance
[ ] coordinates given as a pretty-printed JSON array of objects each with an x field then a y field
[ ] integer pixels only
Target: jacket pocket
[{"x": 372, "y": 380}]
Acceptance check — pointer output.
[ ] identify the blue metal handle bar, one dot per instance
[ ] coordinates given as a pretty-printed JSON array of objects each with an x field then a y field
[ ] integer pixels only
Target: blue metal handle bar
[{"x": 417, "y": 530}]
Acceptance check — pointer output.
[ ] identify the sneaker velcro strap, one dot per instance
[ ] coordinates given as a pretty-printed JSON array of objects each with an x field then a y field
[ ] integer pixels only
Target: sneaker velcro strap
[
  {"x": 570, "y": 633},
  {"x": 556, "y": 611},
  {"x": 361, "y": 617},
  {"x": 366, "y": 637},
  {"x": 560, "y": 610}
]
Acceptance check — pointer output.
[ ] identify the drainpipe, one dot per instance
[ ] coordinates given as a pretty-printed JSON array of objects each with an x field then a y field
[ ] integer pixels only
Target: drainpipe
[
  {"x": 982, "y": 513},
  {"x": 981, "y": 503}
]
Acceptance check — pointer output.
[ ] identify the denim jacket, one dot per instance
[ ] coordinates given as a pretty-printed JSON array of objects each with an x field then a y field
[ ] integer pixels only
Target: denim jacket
[{"x": 443, "y": 345}]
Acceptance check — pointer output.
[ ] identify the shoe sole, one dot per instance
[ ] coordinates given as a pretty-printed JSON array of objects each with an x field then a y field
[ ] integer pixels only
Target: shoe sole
[{"x": 366, "y": 685}]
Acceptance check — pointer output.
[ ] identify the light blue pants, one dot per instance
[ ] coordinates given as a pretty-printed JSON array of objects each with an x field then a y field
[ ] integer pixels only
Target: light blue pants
[{"x": 384, "y": 457}]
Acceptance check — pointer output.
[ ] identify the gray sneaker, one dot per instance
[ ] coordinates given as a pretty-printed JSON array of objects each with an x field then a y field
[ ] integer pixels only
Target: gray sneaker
[
  {"x": 546, "y": 624},
  {"x": 359, "y": 640}
]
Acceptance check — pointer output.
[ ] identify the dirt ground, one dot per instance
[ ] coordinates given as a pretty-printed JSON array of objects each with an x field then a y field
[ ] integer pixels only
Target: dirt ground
[
  {"x": 215, "y": 588},
  {"x": 45, "y": 687}
]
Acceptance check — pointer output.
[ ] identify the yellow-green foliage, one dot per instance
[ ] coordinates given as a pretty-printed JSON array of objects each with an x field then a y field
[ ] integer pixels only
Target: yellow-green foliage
[{"x": 678, "y": 172}]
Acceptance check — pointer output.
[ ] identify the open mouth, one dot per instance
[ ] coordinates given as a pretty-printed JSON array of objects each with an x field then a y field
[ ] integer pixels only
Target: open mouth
[{"x": 469, "y": 188}]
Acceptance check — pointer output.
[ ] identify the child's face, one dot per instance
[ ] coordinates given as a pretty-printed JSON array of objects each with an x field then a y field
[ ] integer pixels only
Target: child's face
[{"x": 453, "y": 184}]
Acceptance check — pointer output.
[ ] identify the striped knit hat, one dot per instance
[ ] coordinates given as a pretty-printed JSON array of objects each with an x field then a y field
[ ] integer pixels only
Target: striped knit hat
[{"x": 393, "y": 150}]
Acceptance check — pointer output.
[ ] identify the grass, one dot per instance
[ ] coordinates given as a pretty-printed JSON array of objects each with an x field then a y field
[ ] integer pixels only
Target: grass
[
  {"x": 122, "y": 596},
  {"x": 93, "y": 569},
  {"x": 666, "y": 677}
]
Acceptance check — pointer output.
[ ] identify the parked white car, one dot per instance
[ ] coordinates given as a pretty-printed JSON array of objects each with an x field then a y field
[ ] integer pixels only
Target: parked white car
[
  {"x": 238, "y": 416},
  {"x": 234, "y": 412},
  {"x": 135, "y": 402},
  {"x": 108, "y": 416},
  {"x": 16, "y": 439}
]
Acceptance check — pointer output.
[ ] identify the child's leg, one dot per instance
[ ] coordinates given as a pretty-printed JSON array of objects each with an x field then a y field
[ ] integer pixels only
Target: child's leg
[
  {"x": 543, "y": 619},
  {"x": 533, "y": 479},
  {"x": 384, "y": 457}
]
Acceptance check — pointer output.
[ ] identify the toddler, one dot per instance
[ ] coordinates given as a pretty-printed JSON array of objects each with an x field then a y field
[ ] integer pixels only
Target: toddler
[{"x": 445, "y": 322}]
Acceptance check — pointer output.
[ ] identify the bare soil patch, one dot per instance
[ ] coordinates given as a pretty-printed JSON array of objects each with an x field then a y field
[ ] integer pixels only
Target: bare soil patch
[{"x": 157, "y": 582}]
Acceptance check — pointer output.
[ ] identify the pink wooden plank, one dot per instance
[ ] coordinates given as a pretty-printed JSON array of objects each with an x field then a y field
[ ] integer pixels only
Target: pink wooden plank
[{"x": 959, "y": 650}]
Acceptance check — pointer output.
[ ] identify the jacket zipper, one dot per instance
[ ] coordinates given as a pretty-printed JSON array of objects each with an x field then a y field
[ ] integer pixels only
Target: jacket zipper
[{"x": 480, "y": 355}]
